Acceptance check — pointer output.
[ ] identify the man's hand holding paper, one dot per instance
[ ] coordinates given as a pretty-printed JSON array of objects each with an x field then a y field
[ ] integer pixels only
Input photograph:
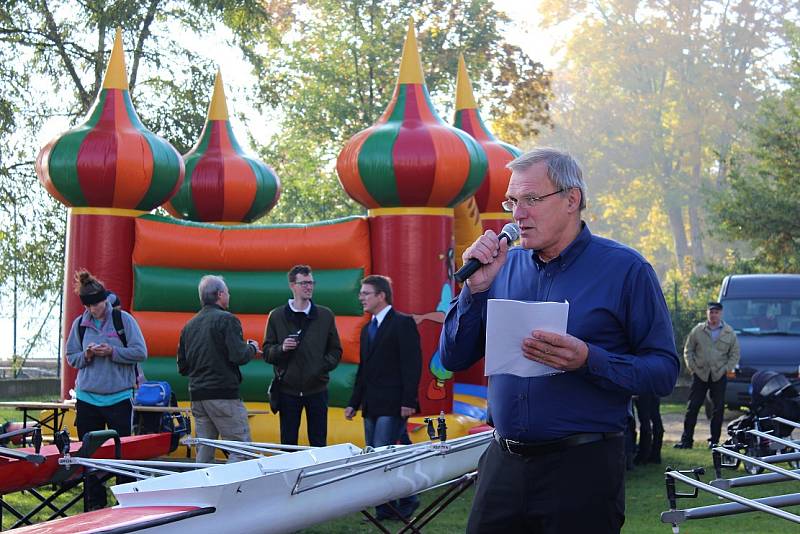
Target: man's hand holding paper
[
  {"x": 563, "y": 352},
  {"x": 510, "y": 347}
]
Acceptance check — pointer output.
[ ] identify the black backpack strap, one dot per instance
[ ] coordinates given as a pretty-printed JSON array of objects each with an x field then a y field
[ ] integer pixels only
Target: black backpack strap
[{"x": 116, "y": 316}]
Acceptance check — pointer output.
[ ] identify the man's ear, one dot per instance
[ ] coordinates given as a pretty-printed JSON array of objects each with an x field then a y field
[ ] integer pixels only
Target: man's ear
[{"x": 575, "y": 194}]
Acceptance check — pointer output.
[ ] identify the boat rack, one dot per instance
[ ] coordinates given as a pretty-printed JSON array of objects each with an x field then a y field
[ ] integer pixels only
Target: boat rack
[
  {"x": 36, "y": 439},
  {"x": 727, "y": 456},
  {"x": 62, "y": 482}
]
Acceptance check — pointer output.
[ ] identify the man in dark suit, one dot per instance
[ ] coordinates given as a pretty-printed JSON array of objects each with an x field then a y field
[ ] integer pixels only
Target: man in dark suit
[{"x": 388, "y": 375}]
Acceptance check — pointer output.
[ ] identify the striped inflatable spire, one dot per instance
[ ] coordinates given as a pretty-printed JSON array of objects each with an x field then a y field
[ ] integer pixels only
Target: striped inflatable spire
[
  {"x": 410, "y": 157},
  {"x": 111, "y": 160},
  {"x": 468, "y": 118},
  {"x": 222, "y": 183}
]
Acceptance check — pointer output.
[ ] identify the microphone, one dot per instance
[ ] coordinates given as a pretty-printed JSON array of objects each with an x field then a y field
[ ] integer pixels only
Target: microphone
[{"x": 510, "y": 233}]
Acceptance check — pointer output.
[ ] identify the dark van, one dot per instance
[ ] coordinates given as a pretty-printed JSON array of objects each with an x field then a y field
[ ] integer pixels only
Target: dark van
[{"x": 764, "y": 309}]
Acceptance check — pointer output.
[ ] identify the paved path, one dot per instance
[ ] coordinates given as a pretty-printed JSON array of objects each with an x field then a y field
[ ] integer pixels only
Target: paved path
[{"x": 673, "y": 426}]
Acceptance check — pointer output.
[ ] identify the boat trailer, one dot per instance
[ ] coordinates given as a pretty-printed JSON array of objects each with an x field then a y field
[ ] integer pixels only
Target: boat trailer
[{"x": 731, "y": 456}]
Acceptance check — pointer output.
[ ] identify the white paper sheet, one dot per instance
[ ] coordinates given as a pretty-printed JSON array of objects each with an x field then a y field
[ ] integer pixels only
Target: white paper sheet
[{"x": 508, "y": 323}]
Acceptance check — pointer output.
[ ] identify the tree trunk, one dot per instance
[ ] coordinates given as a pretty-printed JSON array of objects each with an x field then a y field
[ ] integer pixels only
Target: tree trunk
[
  {"x": 678, "y": 233},
  {"x": 695, "y": 223},
  {"x": 695, "y": 228}
]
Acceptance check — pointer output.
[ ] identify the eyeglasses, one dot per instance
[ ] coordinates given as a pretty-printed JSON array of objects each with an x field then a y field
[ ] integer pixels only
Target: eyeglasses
[
  {"x": 305, "y": 283},
  {"x": 365, "y": 293},
  {"x": 528, "y": 201}
]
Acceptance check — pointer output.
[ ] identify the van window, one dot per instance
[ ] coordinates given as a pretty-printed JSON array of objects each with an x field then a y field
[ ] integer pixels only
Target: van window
[{"x": 763, "y": 315}]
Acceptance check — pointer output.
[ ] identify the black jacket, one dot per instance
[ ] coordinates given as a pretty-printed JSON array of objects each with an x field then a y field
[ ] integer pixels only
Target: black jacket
[
  {"x": 390, "y": 369},
  {"x": 305, "y": 368},
  {"x": 210, "y": 352}
]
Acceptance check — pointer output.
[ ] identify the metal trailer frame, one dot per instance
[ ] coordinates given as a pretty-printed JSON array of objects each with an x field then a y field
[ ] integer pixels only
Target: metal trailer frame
[{"x": 720, "y": 486}]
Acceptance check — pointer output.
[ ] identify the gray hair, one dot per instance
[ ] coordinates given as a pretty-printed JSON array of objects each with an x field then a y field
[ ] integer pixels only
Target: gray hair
[
  {"x": 210, "y": 287},
  {"x": 562, "y": 169}
]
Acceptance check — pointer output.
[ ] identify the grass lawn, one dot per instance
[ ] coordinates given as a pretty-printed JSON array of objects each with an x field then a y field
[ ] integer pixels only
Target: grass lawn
[
  {"x": 12, "y": 414},
  {"x": 676, "y": 408}
]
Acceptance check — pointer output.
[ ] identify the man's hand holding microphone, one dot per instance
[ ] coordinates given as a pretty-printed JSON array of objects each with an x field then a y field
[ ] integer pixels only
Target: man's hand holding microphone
[
  {"x": 482, "y": 261},
  {"x": 484, "y": 258}
]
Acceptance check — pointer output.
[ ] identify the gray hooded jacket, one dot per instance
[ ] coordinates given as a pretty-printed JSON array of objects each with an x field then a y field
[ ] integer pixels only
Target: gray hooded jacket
[{"x": 112, "y": 374}]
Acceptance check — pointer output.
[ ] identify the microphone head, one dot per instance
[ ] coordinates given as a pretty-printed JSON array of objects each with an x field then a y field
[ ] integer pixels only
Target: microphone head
[{"x": 512, "y": 231}]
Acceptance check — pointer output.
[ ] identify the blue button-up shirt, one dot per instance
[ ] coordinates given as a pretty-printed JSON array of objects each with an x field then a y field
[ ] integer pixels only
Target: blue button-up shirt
[{"x": 615, "y": 306}]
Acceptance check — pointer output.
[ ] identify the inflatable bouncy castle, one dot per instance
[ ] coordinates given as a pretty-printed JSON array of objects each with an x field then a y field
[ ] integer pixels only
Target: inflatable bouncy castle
[{"x": 422, "y": 182}]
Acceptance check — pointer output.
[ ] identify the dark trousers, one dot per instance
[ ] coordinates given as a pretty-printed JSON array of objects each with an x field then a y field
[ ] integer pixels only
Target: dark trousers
[
  {"x": 651, "y": 429},
  {"x": 88, "y": 418},
  {"x": 630, "y": 441},
  {"x": 697, "y": 395},
  {"x": 316, "y": 407},
  {"x": 579, "y": 489}
]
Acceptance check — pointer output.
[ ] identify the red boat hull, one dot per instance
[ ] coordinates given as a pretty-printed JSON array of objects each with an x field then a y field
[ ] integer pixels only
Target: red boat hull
[
  {"x": 107, "y": 519},
  {"x": 16, "y": 475}
]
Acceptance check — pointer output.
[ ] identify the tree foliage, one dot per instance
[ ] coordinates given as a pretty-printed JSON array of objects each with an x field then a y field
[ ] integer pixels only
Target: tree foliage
[
  {"x": 762, "y": 204},
  {"x": 54, "y": 56},
  {"x": 655, "y": 93},
  {"x": 336, "y": 67}
]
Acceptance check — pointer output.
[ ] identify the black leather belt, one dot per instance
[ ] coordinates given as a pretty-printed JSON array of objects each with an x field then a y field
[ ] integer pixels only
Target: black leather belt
[{"x": 537, "y": 448}]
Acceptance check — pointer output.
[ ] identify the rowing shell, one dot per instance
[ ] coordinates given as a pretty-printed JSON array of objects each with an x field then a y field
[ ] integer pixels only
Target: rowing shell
[{"x": 281, "y": 493}]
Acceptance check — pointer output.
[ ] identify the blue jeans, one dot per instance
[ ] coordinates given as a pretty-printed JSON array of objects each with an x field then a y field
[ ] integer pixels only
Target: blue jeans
[{"x": 387, "y": 430}]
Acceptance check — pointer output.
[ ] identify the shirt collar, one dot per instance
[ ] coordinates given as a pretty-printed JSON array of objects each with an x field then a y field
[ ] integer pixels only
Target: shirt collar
[
  {"x": 304, "y": 310},
  {"x": 572, "y": 251},
  {"x": 381, "y": 315}
]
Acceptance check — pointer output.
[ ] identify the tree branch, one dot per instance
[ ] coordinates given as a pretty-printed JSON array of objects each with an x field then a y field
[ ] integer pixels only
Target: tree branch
[
  {"x": 143, "y": 35},
  {"x": 56, "y": 39}
]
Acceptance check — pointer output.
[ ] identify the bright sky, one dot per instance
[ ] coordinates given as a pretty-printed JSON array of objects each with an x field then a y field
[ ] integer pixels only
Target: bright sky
[{"x": 523, "y": 32}]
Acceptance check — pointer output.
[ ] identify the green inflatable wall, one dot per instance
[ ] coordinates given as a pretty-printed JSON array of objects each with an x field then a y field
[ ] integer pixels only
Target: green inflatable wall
[
  {"x": 256, "y": 377},
  {"x": 175, "y": 290}
]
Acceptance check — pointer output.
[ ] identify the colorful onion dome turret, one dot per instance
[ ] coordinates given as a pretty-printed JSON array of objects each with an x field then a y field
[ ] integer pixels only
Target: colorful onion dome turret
[
  {"x": 111, "y": 160},
  {"x": 410, "y": 157},
  {"x": 468, "y": 118},
  {"x": 222, "y": 183}
]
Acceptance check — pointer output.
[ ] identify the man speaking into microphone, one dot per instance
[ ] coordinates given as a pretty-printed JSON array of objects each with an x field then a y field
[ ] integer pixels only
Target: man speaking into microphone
[{"x": 557, "y": 462}]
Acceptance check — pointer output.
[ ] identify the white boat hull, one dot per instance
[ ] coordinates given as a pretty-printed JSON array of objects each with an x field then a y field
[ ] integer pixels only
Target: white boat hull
[{"x": 289, "y": 492}]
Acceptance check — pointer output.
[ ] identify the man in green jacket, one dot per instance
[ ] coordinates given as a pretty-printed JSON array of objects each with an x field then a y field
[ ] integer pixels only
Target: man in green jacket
[
  {"x": 302, "y": 343},
  {"x": 711, "y": 351},
  {"x": 210, "y": 352}
]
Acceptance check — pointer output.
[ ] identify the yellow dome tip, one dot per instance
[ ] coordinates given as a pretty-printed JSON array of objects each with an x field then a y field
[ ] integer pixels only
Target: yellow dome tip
[
  {"x": 218, "y": 108},
  {"x": 410, "y": 64},
  {"x": 116, "y": 77},
  {"x": 465, "y": 98}
]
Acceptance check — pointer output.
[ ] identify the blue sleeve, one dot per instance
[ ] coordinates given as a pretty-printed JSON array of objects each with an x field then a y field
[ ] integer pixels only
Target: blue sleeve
[
  {"x": 464, "y": 333},
  {"x": 652, "y": 366}
]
